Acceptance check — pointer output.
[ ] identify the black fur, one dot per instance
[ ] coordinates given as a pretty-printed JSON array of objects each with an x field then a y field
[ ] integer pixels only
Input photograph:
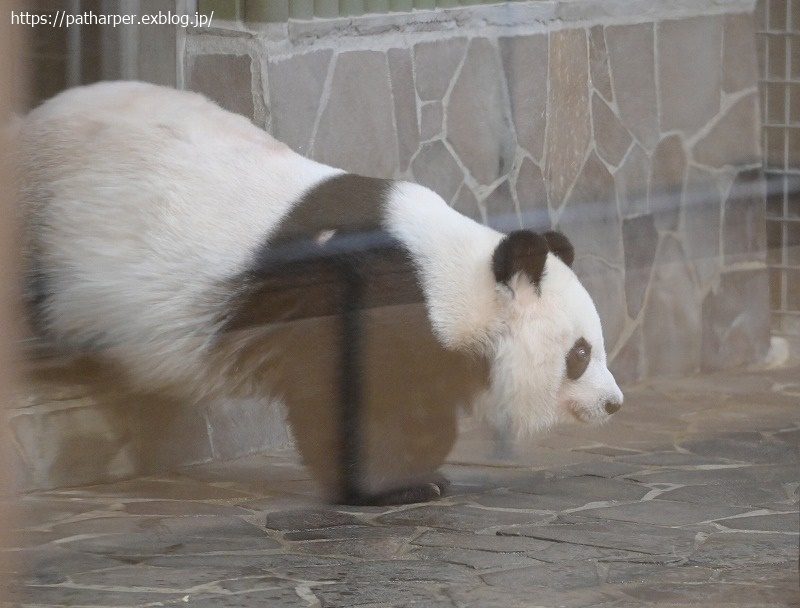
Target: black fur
[
  {"x": 520, "y": 251},
  {"x": 297, "y": 275},
  {"x": 352, "y": 206},
  {"x": 346, "y": 203},
  {"x": 560, "y": 245},
  {"x": 294, "y": 275},
  {"x": 578, "y": 359}
]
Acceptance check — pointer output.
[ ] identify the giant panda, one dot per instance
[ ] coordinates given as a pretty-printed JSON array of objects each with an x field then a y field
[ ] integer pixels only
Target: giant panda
[{"x": 210, "y": 261}]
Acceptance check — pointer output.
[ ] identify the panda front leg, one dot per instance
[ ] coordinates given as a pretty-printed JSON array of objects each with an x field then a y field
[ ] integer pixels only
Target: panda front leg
[{"x": 354, "y": 489}]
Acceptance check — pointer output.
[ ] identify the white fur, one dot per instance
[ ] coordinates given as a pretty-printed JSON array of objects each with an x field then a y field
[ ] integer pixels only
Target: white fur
[
  {"x": 453, "y": 254},
  {"x": 527, "y": 331},
  {"x": 143, "y": 200},
  {"x": 529, "y": 390},
  {"x": 138, "y": 220}
]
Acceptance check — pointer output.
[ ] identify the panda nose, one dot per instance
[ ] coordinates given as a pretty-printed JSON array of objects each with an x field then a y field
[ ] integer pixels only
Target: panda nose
[{"x": 612, "y": 407}]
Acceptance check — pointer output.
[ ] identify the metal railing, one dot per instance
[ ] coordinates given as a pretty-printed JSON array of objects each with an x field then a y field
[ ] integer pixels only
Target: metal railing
[{"x": 779, "y": 47}]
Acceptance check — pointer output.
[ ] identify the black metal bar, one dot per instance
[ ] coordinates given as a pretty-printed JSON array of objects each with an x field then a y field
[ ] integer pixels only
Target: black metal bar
[{"x": 350, "y": 381}]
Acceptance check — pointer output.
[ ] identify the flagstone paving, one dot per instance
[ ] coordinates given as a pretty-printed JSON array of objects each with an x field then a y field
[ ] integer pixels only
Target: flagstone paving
[{"x": 688, "y": 498}]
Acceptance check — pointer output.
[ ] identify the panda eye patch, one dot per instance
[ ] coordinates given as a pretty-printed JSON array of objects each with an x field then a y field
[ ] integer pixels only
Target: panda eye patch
[{"x": 578, "y": 359}]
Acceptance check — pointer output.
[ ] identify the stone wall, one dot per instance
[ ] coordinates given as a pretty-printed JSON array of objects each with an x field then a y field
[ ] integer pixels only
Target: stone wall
[
  {"x": 631, "y": 125},
  {"x": 635, "y": 134},
  {"x": 73, "y": 425}
]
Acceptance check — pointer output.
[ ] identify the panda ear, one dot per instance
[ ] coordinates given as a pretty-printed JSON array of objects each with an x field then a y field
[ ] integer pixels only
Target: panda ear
[
  {"x": 520, "y": 251},
  {"x": 560, "y": 245}
]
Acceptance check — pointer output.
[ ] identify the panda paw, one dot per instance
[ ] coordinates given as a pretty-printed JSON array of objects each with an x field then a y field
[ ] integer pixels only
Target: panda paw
[{"x": 433, "y": 489}]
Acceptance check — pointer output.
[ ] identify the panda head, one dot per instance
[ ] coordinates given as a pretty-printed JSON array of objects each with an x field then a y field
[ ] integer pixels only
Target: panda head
[{"x": 549, "y": 360}]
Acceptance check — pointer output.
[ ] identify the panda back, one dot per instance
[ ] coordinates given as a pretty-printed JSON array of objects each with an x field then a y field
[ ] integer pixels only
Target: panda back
[
  {"x": 140, "y": 202},
  {"x": 149, "y": 210}
]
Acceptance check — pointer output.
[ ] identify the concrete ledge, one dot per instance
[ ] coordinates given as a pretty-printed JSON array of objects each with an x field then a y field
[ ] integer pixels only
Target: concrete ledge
[{"x": 522, "y": 17}]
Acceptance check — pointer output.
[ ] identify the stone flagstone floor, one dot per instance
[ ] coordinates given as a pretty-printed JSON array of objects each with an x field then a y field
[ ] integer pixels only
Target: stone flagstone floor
[{"x": 688, "y": 498}]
